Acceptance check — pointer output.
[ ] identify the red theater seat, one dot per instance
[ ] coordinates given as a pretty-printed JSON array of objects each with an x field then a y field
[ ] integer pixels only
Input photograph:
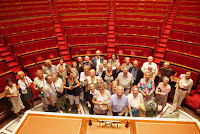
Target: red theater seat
[
  {"x": 87, "y": 50},
  {"x": 3, "y": 77},
  {"x": 133, "y": 50},
  {"x": 3, "y": 66},
  {"x": 183, "y": 59}
]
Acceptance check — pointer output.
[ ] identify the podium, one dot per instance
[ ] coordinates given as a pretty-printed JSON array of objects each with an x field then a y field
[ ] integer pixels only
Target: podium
[{"x": 60, "y": 123}]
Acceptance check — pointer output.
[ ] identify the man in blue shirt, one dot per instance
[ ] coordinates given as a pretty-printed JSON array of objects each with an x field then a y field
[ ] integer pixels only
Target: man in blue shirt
[{"x": 119, "y": 103}]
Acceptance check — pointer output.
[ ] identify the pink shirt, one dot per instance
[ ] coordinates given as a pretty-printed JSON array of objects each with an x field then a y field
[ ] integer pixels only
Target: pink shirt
[{"x": 164, "y": 89}]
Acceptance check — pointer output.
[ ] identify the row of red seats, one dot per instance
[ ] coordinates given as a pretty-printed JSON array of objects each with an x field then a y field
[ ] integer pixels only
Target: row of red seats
[
  {"x": 141, "y": 16},
  {"x": 23, "y": 14},
  {"x": 32, "y": 69},
  {"x": 134, "y": 50},
  {"x": 34, "y": 45},
  {"x": 25, "y": 20},
  {"x": 87, "y": 39},
  {"x": 186, "y": 27},
  {"x": 3, "y": 66},
  {"x": 75, "y": 2},
  {"x": 159, "y": 6},
  {"x": 83, "y": 22},
  {"x": 64, "y": 11},
  {"x": 145, "y": 10},
  {"x": 20, "y": 38},
  {"x": 87, "y": 50},
  {"x": 187, "y": 19},
  {"x": 188, "y": 13},
  {"x": 184, "y": 47},
  {"x": 189, "y": 2},
  {"x": 183, "y": 59},
  {"x": 36, "y": 8},
  {"x": 38, "y": 56},
  {"x": 84, "y": 15},
  {"x": 138, "y": 30},
  {"x": 82, "y": 6},
  {"x": 185, "y": 36},
  {"x": 85, "y": 30},
  {"x": 145, "y": 1},
  {"x": 137, "y": 40},
  {"x": 27, "y": 27},
  {"x": 181, "y": 70},
  {"x": 3, "y": 77},
  {"x": 139, "y": 22},
  {"x": 190, "y": 8}
]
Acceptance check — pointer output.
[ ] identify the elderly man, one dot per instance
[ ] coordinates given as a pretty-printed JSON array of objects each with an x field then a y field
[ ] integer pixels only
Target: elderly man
[
  {"x": 166, "y": 71},
  {"x": 97, "y": 59},
  {"x": 126, "y": 80},
  {"x": 183, "y": 88},
  {"x": 135, "y": 99},
  {"x": 50, "y": 94},
  {"x": 88, "y": 62},
  {"x": 147, "y": 64},
  {"x": 127, "y": 63},
  {"x": 61, "y": 63},
  {"x": 50, "y": 68},
  {"x": 136, "y": 72},
  {"x": 118, "y": 103}
]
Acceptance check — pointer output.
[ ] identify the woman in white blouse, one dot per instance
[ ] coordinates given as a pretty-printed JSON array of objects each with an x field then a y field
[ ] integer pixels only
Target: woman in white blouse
[
  {"x": 83, "y": 78},
  {"x": 25, "y": 83},
  {"x": 58, "y": 85},
  {"x": 91, "y": 79},
  {"x": 38, "y": 83}
]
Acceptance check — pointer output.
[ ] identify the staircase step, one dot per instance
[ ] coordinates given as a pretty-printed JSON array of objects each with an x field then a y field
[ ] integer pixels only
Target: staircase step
[
  {"x": 157, "y": 60},
  {"x": 59, "y": 34},
  {"x": 162, "y": 45},
  {"x": 160, "y": 50},
  {"x": 57, "y": 25},
  {"x": 158, "y": 55},
  {"x": 168, "y": 26},
  {"x": 167, "y": 31},
  {"x": 12, "y": 64},
  {"x": 3, "y": 49},
  {"x": 65, "y": 52},
  {"x": 1, "y": 44},
  {"x": 165, "y": 36},
  {"x": 169, "y": 23},
  {"x": 62, "y": 43},
  {"x": 170, "y": 20},
  {"x": 163, "y": 40},
  {"x": 63, "y": 47},
  {"x": 62, "y": 38},
  {"x": 9, "y": 58},
  {"x": 3, "y": 54},
  {"x": 67, "y": 57},
  {"x": 16, "y": 69}
]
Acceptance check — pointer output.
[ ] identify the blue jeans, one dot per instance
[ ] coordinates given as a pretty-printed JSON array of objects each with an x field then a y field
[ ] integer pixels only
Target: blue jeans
[{"x": 134, "y": 112}]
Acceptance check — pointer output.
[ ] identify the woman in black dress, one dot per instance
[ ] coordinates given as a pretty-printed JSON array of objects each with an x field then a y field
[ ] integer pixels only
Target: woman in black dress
[{"x": 72, "y": 86}]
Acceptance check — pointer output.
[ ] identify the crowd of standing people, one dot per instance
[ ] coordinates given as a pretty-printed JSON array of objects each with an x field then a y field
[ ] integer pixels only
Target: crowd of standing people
[{"x": 108, "y": 87}]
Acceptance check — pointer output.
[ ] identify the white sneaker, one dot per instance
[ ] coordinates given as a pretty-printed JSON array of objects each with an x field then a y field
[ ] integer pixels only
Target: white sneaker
[
  {"x": 70, "y": 110},
  {"x": 171, "y": 111},
  {"x": 79, "y": 110}
]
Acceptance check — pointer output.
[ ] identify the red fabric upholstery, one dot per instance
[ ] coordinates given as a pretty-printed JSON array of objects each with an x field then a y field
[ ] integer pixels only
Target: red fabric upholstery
[
  {"x": 3, "y": 66},
  {"x": 136, "y": 51},
  {"x": 193, "y": 101},
  {"x": 183, "y": 59},
  {"x": 3, "y": 77}
]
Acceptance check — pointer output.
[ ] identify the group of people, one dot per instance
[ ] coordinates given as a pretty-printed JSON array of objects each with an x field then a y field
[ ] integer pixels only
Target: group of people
[{"x": 108, "y": 87}]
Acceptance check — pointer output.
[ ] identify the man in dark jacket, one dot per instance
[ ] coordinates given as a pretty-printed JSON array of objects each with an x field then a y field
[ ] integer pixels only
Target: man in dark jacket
[
  {"x": 97, "y": 59},
  {"x": 136, "y": 72}
]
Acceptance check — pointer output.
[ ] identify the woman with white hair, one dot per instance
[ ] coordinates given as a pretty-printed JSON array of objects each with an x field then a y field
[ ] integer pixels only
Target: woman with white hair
[
  {"x": 91, "y": 79},
  {"x": 147, "y": 87},
  {"x": 162, "y": 91},
  {"x": 25, "y": 83},
  {"x": 99, "y": 71}
]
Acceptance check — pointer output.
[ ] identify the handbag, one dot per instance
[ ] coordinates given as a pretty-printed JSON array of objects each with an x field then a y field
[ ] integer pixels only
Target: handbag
[{"x": 77, "y": 91}]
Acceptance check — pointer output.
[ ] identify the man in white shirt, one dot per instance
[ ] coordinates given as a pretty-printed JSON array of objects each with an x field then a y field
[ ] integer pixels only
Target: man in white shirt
[
  {"x": 97, "y": 59},
  {"x": 150, "y": 62},
  {"x": 126, "y": 80},
  {"x": 50, "y": 94},
  {"x": 105, "y": 65},
  {"x": 183, "y": 88},
  {"x": 134, "y": 99},
  {"x": 50, "y": 68},
  {"x": 61, "y": 64}
]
